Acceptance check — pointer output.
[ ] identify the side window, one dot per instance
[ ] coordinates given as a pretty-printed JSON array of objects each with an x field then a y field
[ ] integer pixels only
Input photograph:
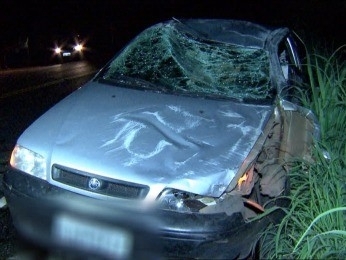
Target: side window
[
  {"x": 291, "y": 57},
  {"x": 284, "y": 60}
]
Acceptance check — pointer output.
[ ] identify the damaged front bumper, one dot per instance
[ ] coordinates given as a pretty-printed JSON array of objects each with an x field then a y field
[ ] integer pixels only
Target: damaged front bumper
[{"x": 54, "y": 218}]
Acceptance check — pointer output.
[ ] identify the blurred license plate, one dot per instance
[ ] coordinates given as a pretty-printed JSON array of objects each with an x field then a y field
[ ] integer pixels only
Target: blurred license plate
[
  {"x": 92, "y": 236},
  {"x": 65, "y": 54}
]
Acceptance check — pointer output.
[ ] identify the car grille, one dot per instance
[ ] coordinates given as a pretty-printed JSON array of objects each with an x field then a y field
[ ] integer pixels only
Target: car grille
[{"x": 107, "y": 187}]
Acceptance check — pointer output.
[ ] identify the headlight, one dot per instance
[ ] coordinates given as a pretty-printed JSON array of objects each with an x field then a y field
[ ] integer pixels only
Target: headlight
[
  {"x": 181, "y": 201},
  {"x": 28, "y": 161},
  {"x": 78, "y": 47},
  {"x": 57, "y": 50}
]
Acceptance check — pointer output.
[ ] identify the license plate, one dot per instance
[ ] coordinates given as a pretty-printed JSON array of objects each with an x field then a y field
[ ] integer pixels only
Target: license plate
[
  {"x": 93, "y": 237},
  {"x": 66, "y": 54}
]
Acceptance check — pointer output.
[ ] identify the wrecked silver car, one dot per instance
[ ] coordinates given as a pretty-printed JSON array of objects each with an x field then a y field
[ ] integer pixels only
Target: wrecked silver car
[{"x": 193, "y": 117}]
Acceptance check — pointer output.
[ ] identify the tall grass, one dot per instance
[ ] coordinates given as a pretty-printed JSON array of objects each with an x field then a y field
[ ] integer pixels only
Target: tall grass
[
  {"x": 328, "y": 98},
  {"x": 315, "y": 224}
]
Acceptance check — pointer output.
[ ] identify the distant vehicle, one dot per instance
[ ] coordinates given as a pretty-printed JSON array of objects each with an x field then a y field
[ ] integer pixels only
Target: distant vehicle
[
  {"x": 69, "y": 48},
  {"x": 195, "y": 118}
]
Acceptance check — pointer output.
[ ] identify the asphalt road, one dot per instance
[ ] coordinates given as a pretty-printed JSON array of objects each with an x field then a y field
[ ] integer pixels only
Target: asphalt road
[{"x": 25, "y": 94}]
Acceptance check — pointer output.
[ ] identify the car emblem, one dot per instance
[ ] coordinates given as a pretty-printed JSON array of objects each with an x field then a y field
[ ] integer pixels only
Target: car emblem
[{"x": 94, "y": 184}]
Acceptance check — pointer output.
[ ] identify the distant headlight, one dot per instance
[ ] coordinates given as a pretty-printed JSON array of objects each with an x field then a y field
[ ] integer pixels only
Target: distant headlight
[
  {"x": 181, "y": 201},
  {"x": 28, "y": 161},
  {"x": 57, "y": 50},
  {"x": 78, "y": 47}
]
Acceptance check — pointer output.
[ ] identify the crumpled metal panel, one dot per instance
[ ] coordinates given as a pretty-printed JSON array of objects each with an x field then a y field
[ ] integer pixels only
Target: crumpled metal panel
[
  {"x": 307, "y": 114},
  {"x": 301, "y": 130},
  {"x": 191, "y": 144}
]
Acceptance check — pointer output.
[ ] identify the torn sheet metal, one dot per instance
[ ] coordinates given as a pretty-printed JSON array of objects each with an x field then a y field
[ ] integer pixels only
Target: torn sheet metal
[{"x": 301, "y": 129}]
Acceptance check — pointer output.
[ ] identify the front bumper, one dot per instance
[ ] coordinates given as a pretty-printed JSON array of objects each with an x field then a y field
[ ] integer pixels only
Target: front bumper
[{"x": 36, "y": 205}]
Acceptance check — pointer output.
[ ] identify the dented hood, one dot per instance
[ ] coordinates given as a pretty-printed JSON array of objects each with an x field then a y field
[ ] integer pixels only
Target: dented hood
[{"x": 159, "y": 140}]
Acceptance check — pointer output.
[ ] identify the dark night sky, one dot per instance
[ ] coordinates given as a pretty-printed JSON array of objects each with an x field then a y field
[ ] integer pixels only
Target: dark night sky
[{"x": 324, "y": 19}]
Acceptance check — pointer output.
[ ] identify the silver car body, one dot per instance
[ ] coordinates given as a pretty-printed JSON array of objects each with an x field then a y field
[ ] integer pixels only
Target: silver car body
[
  {"x": 155, "y": 137},
  {"x": 162, "y": 141},
  {"x": 196, "y": 117}
]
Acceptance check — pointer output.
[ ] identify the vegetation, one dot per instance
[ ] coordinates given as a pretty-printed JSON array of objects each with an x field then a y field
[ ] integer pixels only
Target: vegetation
[{"x": 315, "y": 223}]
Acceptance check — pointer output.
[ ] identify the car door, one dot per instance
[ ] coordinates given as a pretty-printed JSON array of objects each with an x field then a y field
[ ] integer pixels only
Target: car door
[{"x": 300, "y": 127}]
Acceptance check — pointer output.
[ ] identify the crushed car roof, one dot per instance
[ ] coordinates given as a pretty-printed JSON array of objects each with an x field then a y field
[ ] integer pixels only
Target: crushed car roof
[
  {"x": 242, "y": 33},
  {"x": 224, "y": 58}
]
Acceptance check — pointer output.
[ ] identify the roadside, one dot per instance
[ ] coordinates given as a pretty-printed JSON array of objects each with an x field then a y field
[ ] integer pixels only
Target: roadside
[
  {"x": 5, "y": 149},
  {"x": 7, "y": 231},
  {"x": 13, "y": 120}
]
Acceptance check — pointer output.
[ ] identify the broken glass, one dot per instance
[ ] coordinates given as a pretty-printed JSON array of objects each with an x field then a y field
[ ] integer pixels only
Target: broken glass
[{"x": 178, "y": 62}]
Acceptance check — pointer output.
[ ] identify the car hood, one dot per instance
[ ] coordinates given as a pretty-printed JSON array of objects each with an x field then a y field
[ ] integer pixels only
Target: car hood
[{"x": 163, "y": 141}]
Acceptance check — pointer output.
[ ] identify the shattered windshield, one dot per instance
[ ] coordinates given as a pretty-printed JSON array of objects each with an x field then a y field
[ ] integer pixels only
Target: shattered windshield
[{"x": 173, "y": 60}]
